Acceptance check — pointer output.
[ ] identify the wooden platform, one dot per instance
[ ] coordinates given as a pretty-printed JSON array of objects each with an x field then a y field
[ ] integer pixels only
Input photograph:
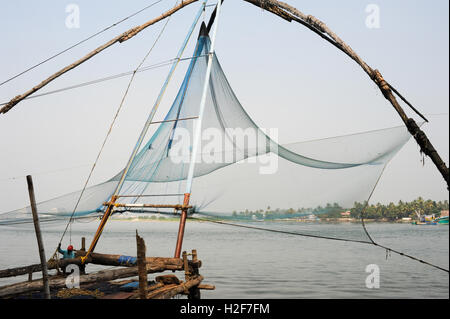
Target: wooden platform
[{"x": 129, "y": 279}]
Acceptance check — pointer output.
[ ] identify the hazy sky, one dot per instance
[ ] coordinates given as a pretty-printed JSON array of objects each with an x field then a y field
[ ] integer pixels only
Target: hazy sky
[{"x": 284, "y": 75}]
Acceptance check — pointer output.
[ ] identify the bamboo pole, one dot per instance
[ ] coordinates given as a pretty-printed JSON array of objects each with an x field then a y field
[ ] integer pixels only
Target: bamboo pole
[
  {"x": 18, "y": 271},
  {"x": 197, "y": 135},
  {"x": 129, "y": 261},
  {"x": 37, "y": 228},
  {"x": 118, "y": 39},
  {"x": 177, "y": 207}
]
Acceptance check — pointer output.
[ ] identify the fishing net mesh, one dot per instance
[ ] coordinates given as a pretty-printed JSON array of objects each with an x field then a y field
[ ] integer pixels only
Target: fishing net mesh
[{"x": 242, "y": 173}]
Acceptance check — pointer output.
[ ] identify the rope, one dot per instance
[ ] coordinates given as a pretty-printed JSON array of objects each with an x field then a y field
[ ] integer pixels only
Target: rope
[
  {"x": 407, "y": 102},
  {"x": 367, "y": 204},
  {"x": 78, "y": 43},
  {"x": 44, "y": 172},
  {"x": 111, "y": 126},
  {"x": 280, "y": 231},
  {"x": 108, "y": 78},
  {"x": 411, "y": 257}
]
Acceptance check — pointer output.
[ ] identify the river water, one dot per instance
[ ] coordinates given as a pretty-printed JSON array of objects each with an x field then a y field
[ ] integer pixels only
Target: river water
[{"x": 245, "y": 263}]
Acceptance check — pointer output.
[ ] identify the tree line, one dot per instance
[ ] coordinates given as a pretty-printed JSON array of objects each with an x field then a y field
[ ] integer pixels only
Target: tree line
[
  {"x": 400, "y": 210},
  {"x": 377, "y": 211}
]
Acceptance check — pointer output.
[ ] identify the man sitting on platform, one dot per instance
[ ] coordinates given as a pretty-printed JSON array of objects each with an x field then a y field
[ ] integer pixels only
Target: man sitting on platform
[{"x": 67, "y": 254}]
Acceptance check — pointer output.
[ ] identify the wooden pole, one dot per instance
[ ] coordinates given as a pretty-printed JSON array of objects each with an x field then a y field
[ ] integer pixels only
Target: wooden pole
[
  {"x": 197, "y": 134},
  {"x": 194, "y": 262},
  {"x": 182, "y": 226},
  {"x": 142, "y": 270},
  {"x": 100, "y": 259},
  {"x": 118, "y": 39},
  {"x": 187, "y": 273},
  {"x": 39, "y": 237},
  {"x": 83, "y": 243}
]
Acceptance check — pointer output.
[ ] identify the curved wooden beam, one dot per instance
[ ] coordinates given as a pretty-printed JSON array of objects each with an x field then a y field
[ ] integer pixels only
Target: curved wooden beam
[
  {"x": 119, "y": 39},
  {"x": 290, "y": 13}
]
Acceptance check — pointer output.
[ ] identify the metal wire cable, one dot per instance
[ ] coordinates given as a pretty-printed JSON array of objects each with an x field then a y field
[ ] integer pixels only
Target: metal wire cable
[
  {"x": 80, "y": 42},
  {"x": 279, "y": 231},
  {"x": 108, "y": 78}
]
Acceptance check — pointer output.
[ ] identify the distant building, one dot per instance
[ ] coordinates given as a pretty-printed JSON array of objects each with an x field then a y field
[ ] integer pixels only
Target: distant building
[
  {"x": 444, "y": 213},
  {"x": 346, "y": 214}
]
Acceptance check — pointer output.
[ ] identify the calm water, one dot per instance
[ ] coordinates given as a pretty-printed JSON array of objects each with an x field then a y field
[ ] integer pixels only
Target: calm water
[{"x": 253, "y": 264}]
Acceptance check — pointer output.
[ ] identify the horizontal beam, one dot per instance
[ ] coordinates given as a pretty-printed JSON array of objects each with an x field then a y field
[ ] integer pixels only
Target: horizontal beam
[
  {"x": 150, "y": 195},
  {"x": 97, "y": 259},
  {"x": 178, "y": 207}
]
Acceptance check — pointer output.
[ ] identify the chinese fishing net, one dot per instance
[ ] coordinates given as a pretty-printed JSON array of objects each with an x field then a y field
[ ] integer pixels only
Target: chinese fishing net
[{"x": 241, "y": 174}]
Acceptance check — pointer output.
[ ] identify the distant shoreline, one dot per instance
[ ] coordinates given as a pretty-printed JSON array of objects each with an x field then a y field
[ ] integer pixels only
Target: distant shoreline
[{"x": 324, "y": 220}]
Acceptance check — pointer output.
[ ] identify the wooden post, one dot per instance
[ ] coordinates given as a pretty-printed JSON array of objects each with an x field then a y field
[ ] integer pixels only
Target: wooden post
[
  {"x": 195, "y": 262},
  {"x": 194, "y": 291},
  {"x": 182, "y": 225},
  {"x": 39, "y": 237},
  {"x": 142, "y": 267},
  {"x": 83, "y": 243},
  {"x": 187, "y": 273}
]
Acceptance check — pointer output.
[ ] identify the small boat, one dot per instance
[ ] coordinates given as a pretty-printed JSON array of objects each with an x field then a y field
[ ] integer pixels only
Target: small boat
[
  {"x": 442, "y": 220},
  {"x": 425, "y": 220},
  {"x": 424, "y": 223}
]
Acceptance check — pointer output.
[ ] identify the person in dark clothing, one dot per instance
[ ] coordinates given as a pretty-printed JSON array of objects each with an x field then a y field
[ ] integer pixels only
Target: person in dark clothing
[{"x": 67, "y": 254}]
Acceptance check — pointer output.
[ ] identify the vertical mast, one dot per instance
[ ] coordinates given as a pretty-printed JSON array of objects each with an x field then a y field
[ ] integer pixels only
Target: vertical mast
[
  {"x": 198, "y": 129},
  {"x": 158, "y": 101},
  {"x": 197, "y": 135}
]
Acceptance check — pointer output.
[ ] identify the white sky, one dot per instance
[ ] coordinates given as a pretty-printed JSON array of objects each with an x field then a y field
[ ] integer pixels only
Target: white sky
[{"x": 284, "y": 75}]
